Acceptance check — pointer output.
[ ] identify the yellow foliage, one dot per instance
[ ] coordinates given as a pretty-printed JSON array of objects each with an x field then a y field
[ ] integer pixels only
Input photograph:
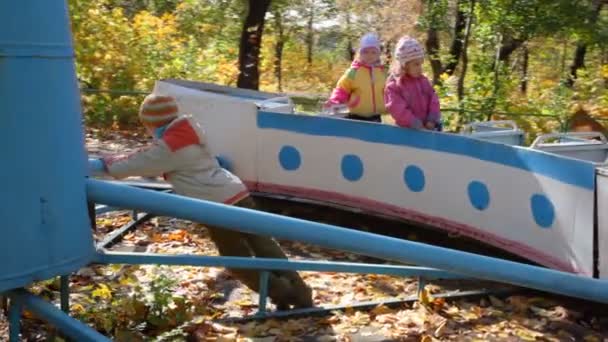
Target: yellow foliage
[
  {"x": 604, "y": 71},
  {"x": 115, "y": 51},
  {"x": 102, "y": 292}
]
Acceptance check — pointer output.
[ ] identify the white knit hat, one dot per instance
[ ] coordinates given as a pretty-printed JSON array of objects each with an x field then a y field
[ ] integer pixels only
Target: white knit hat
[
  {"x": 369, "y": 40},
  {"x": 408, "y": 49}
]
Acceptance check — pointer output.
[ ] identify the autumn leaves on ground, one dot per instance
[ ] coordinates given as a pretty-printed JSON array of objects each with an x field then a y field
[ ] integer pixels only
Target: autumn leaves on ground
[
  {"x": 142, "y": 303},
  {"x": 523, "y": 56}
]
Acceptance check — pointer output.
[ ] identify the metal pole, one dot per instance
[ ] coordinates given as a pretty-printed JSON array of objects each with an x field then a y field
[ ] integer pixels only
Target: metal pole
[
  {"x": 49, "y": 167},
  {"x": 47, "y": 311},
  {"x": 107, "y": 257},
  {"x": 263, "y": 295},
  {"x": 65, "y": 293},
  {"x": 117, "y": 235},
  {"x": 254, "y": 222},
  {"x": 14, "y": 319},
  {"x": 421, "y": 285}
]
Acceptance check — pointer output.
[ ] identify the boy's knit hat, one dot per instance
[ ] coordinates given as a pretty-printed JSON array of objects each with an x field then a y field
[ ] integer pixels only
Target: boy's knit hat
[
  {"x": 158, "y": 110},
  {"x": 408, "y": 49},
  {"x": 369, "y": 40}
]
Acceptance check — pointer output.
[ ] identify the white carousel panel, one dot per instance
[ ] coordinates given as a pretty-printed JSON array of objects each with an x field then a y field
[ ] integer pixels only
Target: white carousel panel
[{"x": 531, "y": 203}]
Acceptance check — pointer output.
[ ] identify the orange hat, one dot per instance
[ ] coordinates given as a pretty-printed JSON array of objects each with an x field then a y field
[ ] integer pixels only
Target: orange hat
[{"x": 158, "y": 110}]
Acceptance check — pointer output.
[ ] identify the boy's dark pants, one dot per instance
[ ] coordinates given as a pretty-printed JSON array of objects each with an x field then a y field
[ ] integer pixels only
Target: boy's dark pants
[{"x": 284, "y": 287}]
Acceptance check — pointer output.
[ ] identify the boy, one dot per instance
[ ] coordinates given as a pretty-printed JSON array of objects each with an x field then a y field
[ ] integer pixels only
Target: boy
[{"x": 180, "y": 154}]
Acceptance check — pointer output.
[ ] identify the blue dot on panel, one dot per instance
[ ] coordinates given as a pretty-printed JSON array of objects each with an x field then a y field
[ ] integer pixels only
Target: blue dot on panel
[
  {"x": 479, "y": 196},
  {"x": 414, "y": 178},
  {"x": 542, "y": 210},
  {"x": 352, "y": 167},
  {"x": 290, "y": 158}
]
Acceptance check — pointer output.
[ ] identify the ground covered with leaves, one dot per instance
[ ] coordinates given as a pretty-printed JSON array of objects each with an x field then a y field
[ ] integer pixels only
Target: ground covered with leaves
[{"x": 161, "y": 303}]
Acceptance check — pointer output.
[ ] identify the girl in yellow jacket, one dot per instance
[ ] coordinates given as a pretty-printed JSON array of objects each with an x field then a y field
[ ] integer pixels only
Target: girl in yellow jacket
[{"x": 361, "y": 88}]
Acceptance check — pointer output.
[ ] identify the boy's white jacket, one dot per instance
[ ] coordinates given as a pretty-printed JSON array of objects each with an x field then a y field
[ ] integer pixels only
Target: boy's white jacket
[{"x": 181, "y": 156}]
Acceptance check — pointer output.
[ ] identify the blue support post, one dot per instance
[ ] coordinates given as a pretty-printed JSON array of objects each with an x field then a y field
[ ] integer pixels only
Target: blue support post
[
  {"x": 327, "y": 309},
  {"x": 116, "y": 236},
  {"x": 14, "y": 319},
  {"x": 102, "y": 209},
  {"x": 254, "y": 222},
  {"x": 421, "y": 285},
  {"x": 263, "y": 295},
  {"x": 107, "y": 257},
  {"x": 44, "y": 207},
  {"x": 69, "y": 326},
  {"x": 64, "y": 290}
]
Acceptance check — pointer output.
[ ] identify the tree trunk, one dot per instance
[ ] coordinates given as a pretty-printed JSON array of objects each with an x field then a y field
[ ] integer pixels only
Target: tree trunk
[
  {"x": 491, "y": 103},
  {"x": 458, "y": 40},
  {"x": 278, "y": 50},
  {"x": 432, "y": 46},
  {"x": 604, "y": 62},
  {"x": 581, "y": 47},
  {"x": 251, "y": 41},
  {"x": 523, "y": 86},
  {"x": 432, "y": 43},
  {"x": 351, "y": 50},
  {"x": 310, "y": 35},
  {"x": 509, "y": 45},
  {"x": 564, "y": 54},
  {"x": 465, "y": 58},
  {"x": 577, "y": 63},
  {"x": 349, "y": 43},
  {"x": 388, "y": 52}
]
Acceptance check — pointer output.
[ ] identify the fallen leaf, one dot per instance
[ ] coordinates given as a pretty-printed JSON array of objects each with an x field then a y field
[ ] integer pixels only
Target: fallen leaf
[
  {"x": 526, "y": 334},
  {"x": 519, "y": 303},
  {"x": 441, "y": 328},
  {"x": 496, "y": 302},
  {"x": 380, "y": 310},
  {"x": 424, "y": 297}
]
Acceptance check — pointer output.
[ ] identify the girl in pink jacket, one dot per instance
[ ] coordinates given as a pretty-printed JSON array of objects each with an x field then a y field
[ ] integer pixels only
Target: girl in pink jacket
[{"x": 409, "y": 96}]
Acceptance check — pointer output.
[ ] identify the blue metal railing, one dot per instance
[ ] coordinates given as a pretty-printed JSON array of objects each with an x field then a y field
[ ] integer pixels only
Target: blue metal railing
[
  {"x": 229, "y": 217},
  {"x": 20, "y": 299}
]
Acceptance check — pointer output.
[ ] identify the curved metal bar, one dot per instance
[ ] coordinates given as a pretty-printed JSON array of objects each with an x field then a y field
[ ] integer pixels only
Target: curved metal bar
[{"x": 250, "y": 221}]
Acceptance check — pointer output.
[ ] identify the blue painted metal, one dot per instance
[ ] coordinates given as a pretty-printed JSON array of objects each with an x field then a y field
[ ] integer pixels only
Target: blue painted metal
[
  {"x": 421, "y": 285},
  {"x": 250, "y": 221},
  {"x": 414, "y": 179},
  {"x": 102, "y": 209},
  {"x": 290, "y": 158},
  {"x": 66, "y": 324},
  {"x": 264, "y": 276},
  {"x": 106, "y": 257},
  {"x": 64, "y": 290},
  {"x": 116, "y": 235},
  {"x": 328, "y": 309},
  {"x": 96, "y": 167},
  {"x": 575, "y": 172},
  {"x": 14, "y": 319},
  {"x": 352, "y": 167},
  {"x": 43, "y": 213}
]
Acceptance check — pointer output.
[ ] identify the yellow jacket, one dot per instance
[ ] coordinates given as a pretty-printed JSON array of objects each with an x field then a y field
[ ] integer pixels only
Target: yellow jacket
[{"x": 361, "y": 88}]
